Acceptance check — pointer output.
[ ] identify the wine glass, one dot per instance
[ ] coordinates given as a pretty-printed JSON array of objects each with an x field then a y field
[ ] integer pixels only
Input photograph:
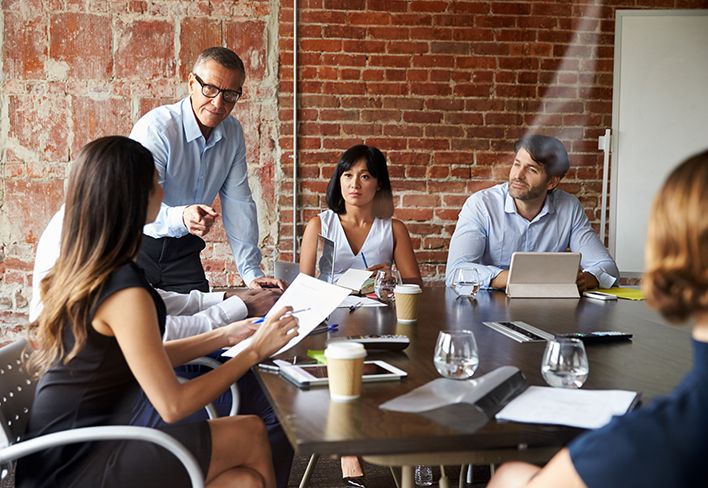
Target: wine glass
[
  {"x": 465, "y": 282},
  {"x": 385, "y": 282},
  {"x": 456, "y": 354},
  {"x": 565, "y": 363}
]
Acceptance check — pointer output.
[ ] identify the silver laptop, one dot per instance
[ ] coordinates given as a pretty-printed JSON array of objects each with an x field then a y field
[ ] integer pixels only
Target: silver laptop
[
  {"x": 326, "y": 255},
  {"x": 286, "y": 271},
  {"x": 543, "y": 275}
]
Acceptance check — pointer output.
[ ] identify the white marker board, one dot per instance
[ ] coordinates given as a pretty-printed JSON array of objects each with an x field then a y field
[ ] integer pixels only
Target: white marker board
[{"x": 659, "y": 116}]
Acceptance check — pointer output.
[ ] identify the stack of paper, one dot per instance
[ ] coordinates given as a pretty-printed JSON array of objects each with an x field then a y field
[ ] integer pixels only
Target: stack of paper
[
  {"x": 588, "y": 409},
  {"x": 317, "y": 299}
]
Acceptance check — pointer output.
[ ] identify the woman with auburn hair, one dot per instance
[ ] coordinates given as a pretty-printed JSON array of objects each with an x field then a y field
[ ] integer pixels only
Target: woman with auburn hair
[
  {"x": 664, "y": 443},
  {"x": 98, "y": 341},
  {"x": 359, "y": 221}
]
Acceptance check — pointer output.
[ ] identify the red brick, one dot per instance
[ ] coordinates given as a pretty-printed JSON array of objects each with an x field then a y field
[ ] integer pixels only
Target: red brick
[
  {"x": 196, "y": 34},
  {"x": 31, "y": 203},
  {"x": 98, "y": 118},
  {"x": 39, "y": 124},
  {"x": 83, "y": 42},
  {"x": 406, "y": 214},
  {"x": 25, "y": 46},
  {"x": 422, "y": 117},
  {"x": 145, "y": 49},
  {"x": 423, "y": 201}
]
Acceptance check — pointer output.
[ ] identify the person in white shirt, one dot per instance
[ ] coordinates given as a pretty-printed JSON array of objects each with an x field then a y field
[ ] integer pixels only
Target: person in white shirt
[{"x": 187, "y": 314}]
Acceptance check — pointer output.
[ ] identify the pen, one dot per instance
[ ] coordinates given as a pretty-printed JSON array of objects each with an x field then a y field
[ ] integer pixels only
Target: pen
[
  {"x": 260, "y": 320},
  {"x": 355, "y": 306},
  {"x": 363, "y": 258}
]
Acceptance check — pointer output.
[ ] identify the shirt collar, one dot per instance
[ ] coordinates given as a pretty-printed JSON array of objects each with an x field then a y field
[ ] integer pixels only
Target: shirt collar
[
  {"x": 191, "y": 126},
  {"x": 549, "y": 206}
]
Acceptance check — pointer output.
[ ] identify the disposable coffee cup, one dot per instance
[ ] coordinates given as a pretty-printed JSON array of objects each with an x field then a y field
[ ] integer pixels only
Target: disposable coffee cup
[
  {"x": 345, "y": 361},
  {"x": 407, "y": 301}
]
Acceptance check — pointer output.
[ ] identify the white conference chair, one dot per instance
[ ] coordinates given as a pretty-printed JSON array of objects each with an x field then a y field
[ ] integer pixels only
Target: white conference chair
[{"x": 17, "y": 395}]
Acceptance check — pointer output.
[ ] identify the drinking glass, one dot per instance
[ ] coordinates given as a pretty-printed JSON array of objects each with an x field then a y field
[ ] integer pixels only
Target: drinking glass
[
  {"x": 565, "y": 363},
  {"x": 386, "y": 281},
  {"x": 456, "y": 354},
  {"x": 465, "y": 282}
]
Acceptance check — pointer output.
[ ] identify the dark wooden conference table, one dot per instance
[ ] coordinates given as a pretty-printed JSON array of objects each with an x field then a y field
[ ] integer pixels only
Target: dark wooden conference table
[{"x": 652, "y": 363}]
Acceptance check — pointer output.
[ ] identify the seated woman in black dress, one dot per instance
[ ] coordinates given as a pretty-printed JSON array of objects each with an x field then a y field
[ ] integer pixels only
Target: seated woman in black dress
[
  {"x": 662, "y": 444},
  {"x": 98, "y": 341}
]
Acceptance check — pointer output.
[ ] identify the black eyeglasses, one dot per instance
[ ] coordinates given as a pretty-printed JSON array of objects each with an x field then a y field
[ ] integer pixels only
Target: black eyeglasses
[{"x": 211, "y": 91}]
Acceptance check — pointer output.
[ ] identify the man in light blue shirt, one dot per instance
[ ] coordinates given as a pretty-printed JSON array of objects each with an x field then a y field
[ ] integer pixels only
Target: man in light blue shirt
[
  {"x": 528, "y": 213},
  {"x": 200, "y": 152}
]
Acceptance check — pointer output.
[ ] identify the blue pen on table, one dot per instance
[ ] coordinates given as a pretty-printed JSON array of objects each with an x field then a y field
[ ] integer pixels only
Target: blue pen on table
[
  {"x": 327, "y": 328},
  {"x": 260, "y": 320},
  {"x": 363, "y": 258}
]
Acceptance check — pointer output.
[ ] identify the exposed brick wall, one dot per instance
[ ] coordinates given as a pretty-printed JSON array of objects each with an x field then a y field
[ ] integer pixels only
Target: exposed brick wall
[
  {"x": 74, "y": 70},
  {"x": 442, "y": 86}
]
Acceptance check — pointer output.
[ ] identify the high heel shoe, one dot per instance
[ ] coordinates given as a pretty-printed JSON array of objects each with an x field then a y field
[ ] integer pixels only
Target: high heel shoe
[{"x": 355, "y": 482}]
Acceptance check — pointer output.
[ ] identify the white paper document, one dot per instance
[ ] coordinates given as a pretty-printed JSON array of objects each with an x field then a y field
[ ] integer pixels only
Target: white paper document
[
  {"x": 316, "y": 298},
  {"x": 353, "y": 301},
  {"x": 588, "y": 409},
  {"x": 354, "y": 279}
]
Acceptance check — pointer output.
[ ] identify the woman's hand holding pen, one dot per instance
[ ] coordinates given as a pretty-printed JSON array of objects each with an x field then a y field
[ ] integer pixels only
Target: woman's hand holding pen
[
  {"x": 235, "y": 332},
  {"x": 274, "y": 333}
]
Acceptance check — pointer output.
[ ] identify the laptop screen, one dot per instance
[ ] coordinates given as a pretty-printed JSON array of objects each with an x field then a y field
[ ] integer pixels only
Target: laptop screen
[{"x": 325, "y": 259}]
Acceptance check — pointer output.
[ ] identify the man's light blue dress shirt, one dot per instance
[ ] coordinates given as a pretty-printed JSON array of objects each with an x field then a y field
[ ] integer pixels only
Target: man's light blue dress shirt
[
  {"x": 489, "y": 230},
  {"x": 193, "y": 170}
]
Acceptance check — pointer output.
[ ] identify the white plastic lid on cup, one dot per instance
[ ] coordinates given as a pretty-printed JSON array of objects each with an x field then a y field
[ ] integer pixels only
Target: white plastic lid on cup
[
  {"x": 345, "y": 350},
  {"x": 408, "y": 289}
]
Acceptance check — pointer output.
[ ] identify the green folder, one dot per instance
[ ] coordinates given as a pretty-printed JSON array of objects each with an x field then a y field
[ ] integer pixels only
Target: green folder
[{"x": 626, "y": 293}]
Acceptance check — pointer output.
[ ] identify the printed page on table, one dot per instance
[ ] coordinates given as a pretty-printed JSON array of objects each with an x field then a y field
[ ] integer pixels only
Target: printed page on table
[{"x": 317, "y": 299}]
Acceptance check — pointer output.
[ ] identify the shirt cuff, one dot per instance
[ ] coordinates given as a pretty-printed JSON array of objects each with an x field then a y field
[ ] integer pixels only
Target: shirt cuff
[
  {"x": 212, "y": 298},
  {"x": 251, "y": 274},
  {"x": 232, "y": 309},
  {"x": 175, "y": 221},
  {"x": 604, "y": 280}
]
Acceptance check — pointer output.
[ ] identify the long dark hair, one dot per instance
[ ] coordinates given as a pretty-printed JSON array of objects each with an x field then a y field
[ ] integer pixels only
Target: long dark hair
[
  {"x": 376, "y": 165},
  {"x": 105, "y": 210}
]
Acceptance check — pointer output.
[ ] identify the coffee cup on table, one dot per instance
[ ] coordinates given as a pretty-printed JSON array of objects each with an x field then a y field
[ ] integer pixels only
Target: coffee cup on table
[
  {"x": 407, "y": 302},
  {"x": 345, "y": 361}
]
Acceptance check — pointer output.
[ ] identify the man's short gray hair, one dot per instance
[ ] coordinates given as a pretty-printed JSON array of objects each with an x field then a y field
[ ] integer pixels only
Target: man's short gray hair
[{"x": 224, "y": 56}]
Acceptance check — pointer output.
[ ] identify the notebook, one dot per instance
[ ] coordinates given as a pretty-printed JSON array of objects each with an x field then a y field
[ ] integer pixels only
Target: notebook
[{"x": 543, "y": 275}]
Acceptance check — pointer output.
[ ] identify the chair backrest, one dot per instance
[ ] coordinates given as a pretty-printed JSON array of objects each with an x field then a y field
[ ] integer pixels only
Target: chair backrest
[{"x": 16, "y": 393}]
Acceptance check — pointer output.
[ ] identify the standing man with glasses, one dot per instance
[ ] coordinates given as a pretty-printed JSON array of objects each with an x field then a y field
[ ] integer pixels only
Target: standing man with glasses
[{"x": 200, "y": 152}]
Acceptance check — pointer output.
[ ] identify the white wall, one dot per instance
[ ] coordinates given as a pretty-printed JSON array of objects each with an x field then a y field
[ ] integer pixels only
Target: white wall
[{"x": 660, "y": 116}]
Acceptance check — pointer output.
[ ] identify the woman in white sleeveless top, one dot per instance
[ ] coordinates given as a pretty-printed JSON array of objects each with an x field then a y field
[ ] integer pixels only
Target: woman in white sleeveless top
[{"x": 359, "y": 221}]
